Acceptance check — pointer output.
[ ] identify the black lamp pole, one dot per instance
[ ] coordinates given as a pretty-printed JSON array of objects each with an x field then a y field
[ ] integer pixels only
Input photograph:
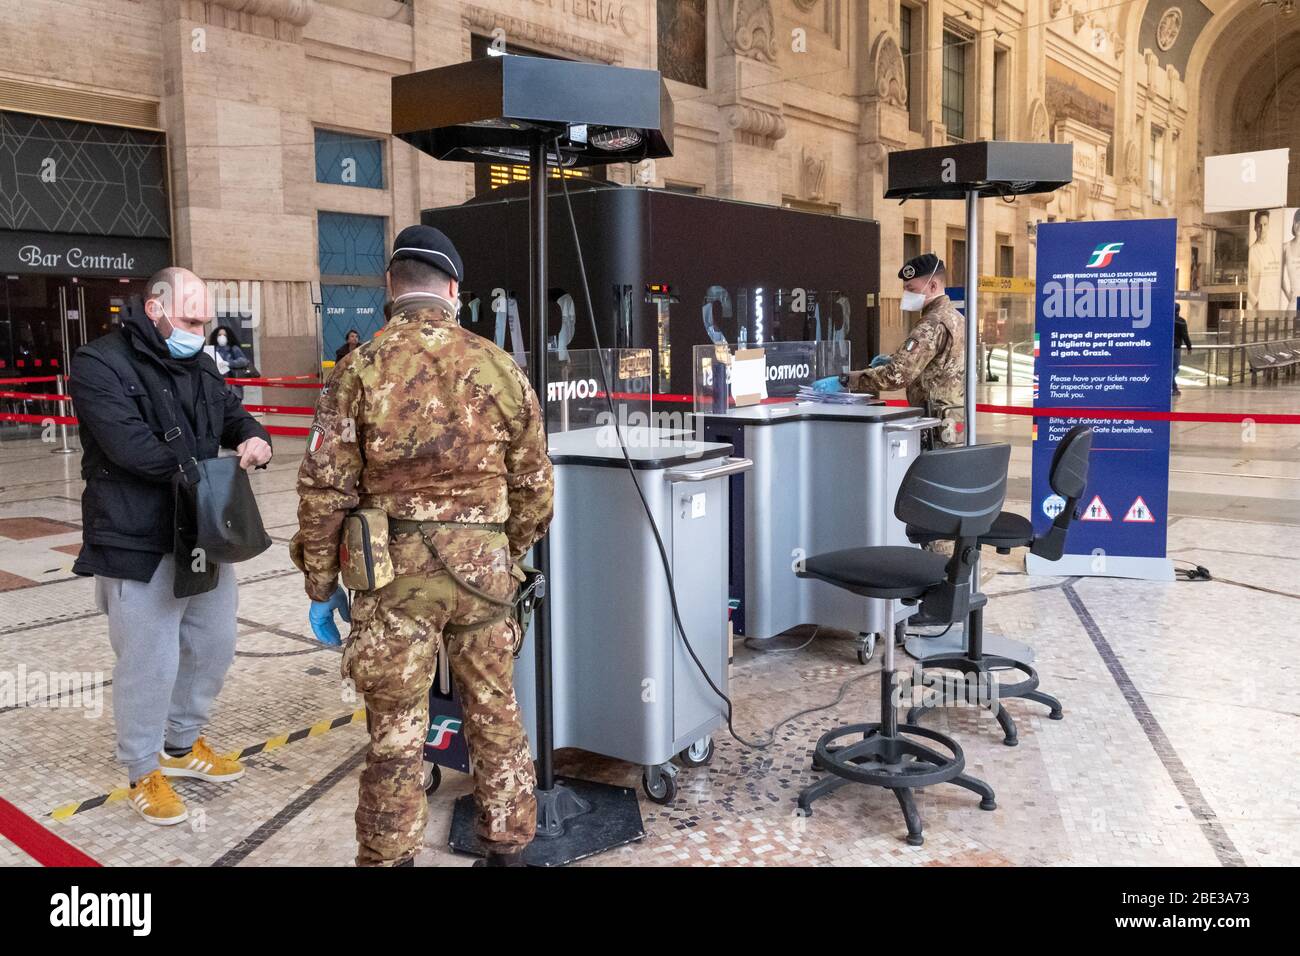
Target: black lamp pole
[
  {"x": 469, "y": 112},
  {"x": 537, "y": 308}
]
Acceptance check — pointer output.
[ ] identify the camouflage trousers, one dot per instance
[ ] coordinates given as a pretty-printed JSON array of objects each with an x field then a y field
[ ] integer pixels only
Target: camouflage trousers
[{"x": 392, "y": 657}]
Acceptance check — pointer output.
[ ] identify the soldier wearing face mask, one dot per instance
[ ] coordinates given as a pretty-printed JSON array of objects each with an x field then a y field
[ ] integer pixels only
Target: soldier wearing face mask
[
  {"x": 931, "y": 362},
  {"x": 432, "y": 436}
]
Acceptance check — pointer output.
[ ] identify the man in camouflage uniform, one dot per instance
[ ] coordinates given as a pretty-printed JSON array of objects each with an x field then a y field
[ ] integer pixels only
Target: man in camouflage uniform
[
  {"x": 439, "y": 428},
  {"x": 931, "y": 363}
]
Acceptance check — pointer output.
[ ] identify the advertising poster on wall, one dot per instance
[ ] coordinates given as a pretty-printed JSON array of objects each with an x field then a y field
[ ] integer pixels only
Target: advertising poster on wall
[
  {"x": 1272, "y": 269},
  {"x": 1289, "y": 227},
  {"x": 1104, "y": 340}
]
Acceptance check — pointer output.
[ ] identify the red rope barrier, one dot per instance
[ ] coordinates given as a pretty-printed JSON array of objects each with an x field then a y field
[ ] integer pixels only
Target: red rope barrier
[
  {"x": 1119, "y": 414},
  {"x": 280, "y": 378},
  {"x": 1122, "y": 414},
  {"x": 1133, "y": 414},
  {"x": 36, "y": 397},
  {"x": 273, "y": 383},
  {"x": 46, "y": 848},
  {"x": 37, "y": 419},
  {"x": 282, "y": 409}
]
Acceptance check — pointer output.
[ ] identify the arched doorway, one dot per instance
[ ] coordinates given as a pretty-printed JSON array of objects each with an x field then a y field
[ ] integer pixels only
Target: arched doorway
[{"x": 1243, "y": 82}]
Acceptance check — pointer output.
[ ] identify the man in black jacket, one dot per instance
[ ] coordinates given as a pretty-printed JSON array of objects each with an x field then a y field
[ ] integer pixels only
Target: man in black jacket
[
  {"x": 1181, "y": 338},
  {"x": 148, "y": 397}
]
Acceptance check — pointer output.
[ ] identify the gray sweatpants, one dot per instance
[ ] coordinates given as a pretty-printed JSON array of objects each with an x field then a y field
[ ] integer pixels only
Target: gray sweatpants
[{"x": 172, "y": 657}]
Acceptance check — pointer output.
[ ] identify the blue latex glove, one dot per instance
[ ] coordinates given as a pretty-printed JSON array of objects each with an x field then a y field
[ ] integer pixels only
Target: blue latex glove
[
  {"x": 828, "y": 385},
  {"x": 321, "y": 617},
  {"x": 880, "y": 360}
]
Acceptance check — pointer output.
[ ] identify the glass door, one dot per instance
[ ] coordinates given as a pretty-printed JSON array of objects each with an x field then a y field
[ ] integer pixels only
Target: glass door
[
  {"x": 72, "y": 306},
  {"x": 45, "y": 319},
  {"x": 34, "y": 321}
]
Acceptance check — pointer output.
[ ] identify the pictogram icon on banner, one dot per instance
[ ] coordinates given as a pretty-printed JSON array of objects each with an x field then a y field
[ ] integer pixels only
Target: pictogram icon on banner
[
  {"x": 1096, "y": 511},
  {"x": 1139, "y": 512}
]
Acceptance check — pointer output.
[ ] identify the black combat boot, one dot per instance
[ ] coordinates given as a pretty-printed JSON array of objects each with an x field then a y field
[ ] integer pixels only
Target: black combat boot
[{"x": 502, "y": 858}]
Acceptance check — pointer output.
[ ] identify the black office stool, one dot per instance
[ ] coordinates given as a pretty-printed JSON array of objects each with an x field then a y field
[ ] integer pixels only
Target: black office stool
[
  {"x": 1067, "y": 476},
  {"x": 954, "y": 492}
]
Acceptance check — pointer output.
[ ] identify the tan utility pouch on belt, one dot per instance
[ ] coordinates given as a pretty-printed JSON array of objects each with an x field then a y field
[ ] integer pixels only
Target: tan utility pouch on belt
[{"x": 364, "y": 561}]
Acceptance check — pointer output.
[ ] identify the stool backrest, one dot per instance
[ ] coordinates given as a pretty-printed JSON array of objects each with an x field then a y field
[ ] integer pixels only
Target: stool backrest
[
  {"x": 1068, "y": 477},
  {"x": 957, "y": 493}
]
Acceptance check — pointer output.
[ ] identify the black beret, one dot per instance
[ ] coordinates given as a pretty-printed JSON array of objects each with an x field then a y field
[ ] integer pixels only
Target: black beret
[
  {"x": 922, "y": 265},
  {"x": 428, "y": 245}
]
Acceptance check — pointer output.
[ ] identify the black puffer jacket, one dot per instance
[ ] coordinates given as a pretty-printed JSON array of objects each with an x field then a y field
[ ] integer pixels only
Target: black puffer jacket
[{"x": 125, "y": 462}]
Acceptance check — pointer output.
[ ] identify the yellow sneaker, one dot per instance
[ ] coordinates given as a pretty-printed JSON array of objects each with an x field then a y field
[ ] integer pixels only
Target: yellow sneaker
[
  {"x": 201, "y": 762},
  {"x": 154, "y": 799}
]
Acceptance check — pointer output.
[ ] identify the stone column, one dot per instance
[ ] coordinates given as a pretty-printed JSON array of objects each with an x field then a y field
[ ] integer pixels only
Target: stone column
[
  {"x": 984, "y": 46},
  {"x": 749, "y": 101},
  {"x": 240, "y": 148},
  {"x": 883, "y": 127}
]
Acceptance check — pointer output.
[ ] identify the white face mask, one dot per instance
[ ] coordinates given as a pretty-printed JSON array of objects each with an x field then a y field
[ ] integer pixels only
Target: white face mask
[
  {"x": 222, "y": 340},
  {"x": 912, "y": 301},
  {"x": 915, "y": 301}
]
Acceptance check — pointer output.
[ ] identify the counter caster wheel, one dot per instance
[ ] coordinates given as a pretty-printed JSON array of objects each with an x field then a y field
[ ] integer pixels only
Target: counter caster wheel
[
  {"x": 866, "y": 648},
  {"x": 432, "y": 778},
  {"x": 698, "y": 754},
  {"x": 659, "y": 784}
]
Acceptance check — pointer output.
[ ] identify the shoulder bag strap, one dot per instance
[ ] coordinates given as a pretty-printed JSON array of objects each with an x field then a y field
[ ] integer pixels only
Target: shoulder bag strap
[{"x": 174, "y": 435}]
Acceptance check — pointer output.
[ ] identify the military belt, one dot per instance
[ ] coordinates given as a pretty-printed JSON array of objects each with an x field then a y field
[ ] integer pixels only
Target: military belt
[{"x": 407, "y": 526}]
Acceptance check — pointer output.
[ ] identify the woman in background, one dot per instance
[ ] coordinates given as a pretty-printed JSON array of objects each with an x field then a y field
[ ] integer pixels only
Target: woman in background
[
  {"x": 351, "y": 342},
  {"x": 226, "y": 345}
]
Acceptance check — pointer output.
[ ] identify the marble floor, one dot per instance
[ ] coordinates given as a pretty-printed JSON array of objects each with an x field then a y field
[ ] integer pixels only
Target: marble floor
[{"x": 1180, "y": 743}]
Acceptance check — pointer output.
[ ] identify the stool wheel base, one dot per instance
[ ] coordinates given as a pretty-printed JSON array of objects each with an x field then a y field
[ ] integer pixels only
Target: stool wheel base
[
  {"x": 892, "y": 760},
  {"x": 984, "y": 667}
]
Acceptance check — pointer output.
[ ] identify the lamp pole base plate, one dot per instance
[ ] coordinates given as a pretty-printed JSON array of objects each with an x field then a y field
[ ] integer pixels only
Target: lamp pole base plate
[{"x": 575, "y": 819}]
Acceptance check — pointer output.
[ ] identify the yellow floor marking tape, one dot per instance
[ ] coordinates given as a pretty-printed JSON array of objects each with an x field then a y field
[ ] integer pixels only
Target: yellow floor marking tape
[{"x": 315, "y": 730}]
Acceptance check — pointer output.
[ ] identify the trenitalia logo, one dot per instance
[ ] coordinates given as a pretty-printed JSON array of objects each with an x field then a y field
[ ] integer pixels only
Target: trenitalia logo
[
  {"x": 1104, "y": 254},
  {"x": 441, "y": 730}
]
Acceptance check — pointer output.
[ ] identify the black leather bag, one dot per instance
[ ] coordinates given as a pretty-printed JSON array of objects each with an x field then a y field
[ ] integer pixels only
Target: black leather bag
[
  {"x": 216, "y": 516},
  {"x": 216, "y": 496}
]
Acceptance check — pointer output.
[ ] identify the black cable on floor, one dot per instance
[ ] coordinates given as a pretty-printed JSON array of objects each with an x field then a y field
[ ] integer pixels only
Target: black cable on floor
[
  {"x": 755, "y": 644},
  {"x": 1195, "y": 572}
]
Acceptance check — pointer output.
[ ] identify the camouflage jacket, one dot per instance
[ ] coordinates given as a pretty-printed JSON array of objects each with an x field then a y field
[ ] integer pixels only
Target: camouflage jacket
[
  {"x": 427, "y": 421},
  {"x": 930, "y": 364}
]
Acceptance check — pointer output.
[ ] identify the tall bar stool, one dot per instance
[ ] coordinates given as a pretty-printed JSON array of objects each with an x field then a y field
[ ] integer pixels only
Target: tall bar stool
[
  {"x": 953, "y": 492},
  {"x": 1068, "y": 477}
]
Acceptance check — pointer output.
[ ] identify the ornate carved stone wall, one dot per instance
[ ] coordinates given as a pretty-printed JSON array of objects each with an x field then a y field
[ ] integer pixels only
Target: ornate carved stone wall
[{"x": 797, "y": 100}]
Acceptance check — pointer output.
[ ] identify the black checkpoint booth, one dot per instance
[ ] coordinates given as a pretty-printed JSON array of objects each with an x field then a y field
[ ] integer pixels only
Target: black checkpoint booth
[
  {"x": 548, "y": 114},
  {"x": 670, "y": 271}
]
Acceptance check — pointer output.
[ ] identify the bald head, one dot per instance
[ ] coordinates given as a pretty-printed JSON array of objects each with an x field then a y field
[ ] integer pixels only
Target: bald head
[{"x": 177, "y": 298}]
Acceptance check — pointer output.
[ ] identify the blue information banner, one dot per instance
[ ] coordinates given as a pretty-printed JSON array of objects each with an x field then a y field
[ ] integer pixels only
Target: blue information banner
[{"x": 1104, "y": 340}]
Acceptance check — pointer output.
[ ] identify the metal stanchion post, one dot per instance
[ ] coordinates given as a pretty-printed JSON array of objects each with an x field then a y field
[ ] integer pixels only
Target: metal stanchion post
[
  {"x": 63, "y": 448},
  {"x": 1011, "y": 353},
  {"x": 972, "y": 313}
]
